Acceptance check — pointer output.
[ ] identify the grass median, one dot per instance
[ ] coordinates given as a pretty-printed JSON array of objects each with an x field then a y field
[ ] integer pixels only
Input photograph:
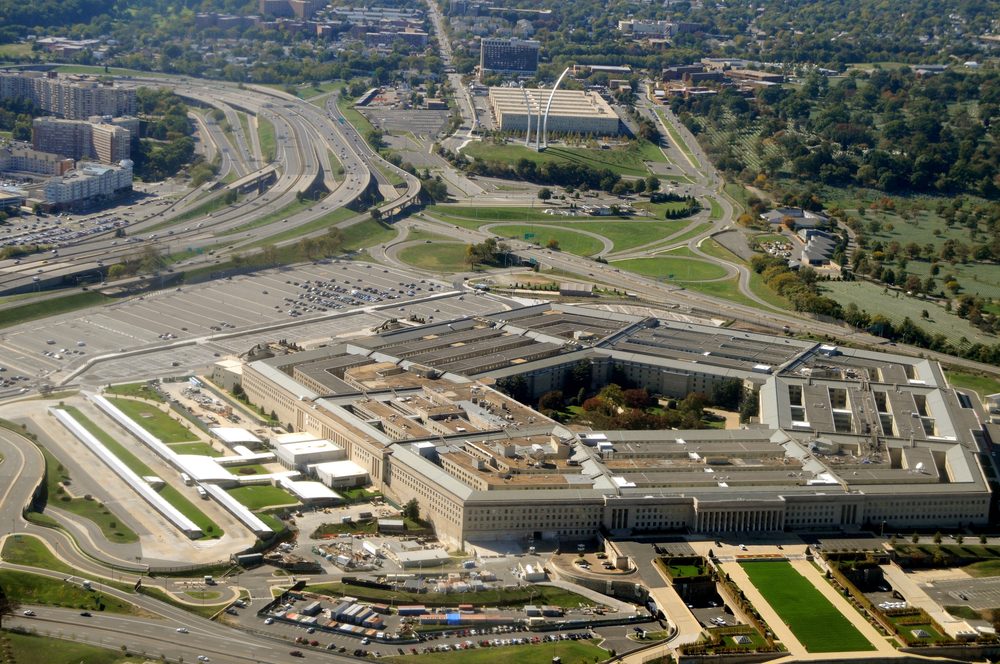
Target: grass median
[
  {"x": 37, "y": 589},
  {"x": 168, "y": 492},
  {"x": 34, "y": 649}
]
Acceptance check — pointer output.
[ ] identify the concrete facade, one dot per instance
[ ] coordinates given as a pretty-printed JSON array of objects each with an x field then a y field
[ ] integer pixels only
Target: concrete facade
[{"x": 572, "y": 111}]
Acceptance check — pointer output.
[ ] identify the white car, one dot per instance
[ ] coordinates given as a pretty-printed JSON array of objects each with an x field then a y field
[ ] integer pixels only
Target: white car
[
  {"x": 268, "y": 621},
  {"x": 182, "y": 630},
  {"x": 29, "y": 612},
  {"x": 202, "y": 658}
]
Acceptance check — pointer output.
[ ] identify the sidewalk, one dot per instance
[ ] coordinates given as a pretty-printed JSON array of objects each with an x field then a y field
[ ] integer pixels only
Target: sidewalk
[{"x": 916, "y": 596}]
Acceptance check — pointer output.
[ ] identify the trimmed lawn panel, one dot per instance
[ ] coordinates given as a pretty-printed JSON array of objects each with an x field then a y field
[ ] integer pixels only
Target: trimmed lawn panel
[
  {"x": 816, "y": 623},
  {"x": 139, "y": 390},
  {"x": 264, "y": 495},
  {"x": 628, "y": 160},
  {"x": 204, "y": 449},
  {"x": 155, "y": 421}
]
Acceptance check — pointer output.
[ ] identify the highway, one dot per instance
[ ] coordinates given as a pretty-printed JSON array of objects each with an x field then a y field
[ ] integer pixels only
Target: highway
[{"x": 305, "y": 135}]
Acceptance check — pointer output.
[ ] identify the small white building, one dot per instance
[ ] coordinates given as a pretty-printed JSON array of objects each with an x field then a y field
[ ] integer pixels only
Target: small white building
[
  {"x": 310, "y": 493},
  {"x": 280, "y": 439},
  {"x": 344, "y": 473},
  {"x": 301, "y": 455},
  {"x": 232, "y": 436}
]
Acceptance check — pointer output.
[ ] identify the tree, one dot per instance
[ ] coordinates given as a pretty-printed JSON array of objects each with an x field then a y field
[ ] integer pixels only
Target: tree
[
  {"x": 552, "y": 244},
  {"x": 552, "y": 400},
  {"x": 411, "y": 510},
  {"x": 544, "y": 194},
  {"x": 652, "y": 184},
  {"x": 8, "y": 605}
]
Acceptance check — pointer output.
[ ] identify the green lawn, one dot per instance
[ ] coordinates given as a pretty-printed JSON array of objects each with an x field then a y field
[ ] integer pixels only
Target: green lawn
[
  {"x": 30, "y": 551},
  {"x": 50, "y": 307},
  {"x": 983, "y": 385},
  {"x": 265, "y": 134},
  {"x": 36, "y": 589},
  {"x": 111, "y": 527},
  {"x": 757, "y": 285},
  {"x": 245, "y": 123},
  {"x": 983, "y": 568},
  {"x": 569, "y": 241},
  {"x": 331, "y": 529},
  {"x": 437, "y": 257},
  {"x": 715, "y": 211},
  {"x": 353, "y": 116},
  {"x": 33, "y": 649},
  {"x": 140, "y": 390},
  {"x": 570, "y": 652},
  {"x": 895, "y": 306},
  {"x": 289, "y": 210},
  {"x": 627, "y": 160},
  {"x": 250, "y": 469},
  {"x": 628, "y": 235},
  {"x": 483, "y": 215},
  {"x": 259, "y": 497},
  {"x": 673, "y": 268},
  {"x": 217, "y": 202},
  {"x": 168, "y": 492},
  {"x": 514, "y": 597},
  {"x": 204, "y": 449},
  {"x": 367, "y": 233},
  {"x": 816, "y": 623},
  {"x": 155, "y": 421},
  {"x": 331, "y": 219}
]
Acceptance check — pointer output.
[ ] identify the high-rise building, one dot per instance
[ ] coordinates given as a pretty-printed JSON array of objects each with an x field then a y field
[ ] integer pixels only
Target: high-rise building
[
  {"x": 81, "y": 139},
  {"x": 508, "y": 55},
  {"x": 69, "y": 98}
]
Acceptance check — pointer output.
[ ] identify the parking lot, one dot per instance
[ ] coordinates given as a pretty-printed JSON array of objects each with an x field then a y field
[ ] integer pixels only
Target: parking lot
[
  {"x": 330, "y": 299},
  {"x": 983, "y": 593}
]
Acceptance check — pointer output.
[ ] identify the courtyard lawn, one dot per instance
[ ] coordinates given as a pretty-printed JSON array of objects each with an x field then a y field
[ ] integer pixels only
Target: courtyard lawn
[
  {"x": 816, "y": 623},
  {"x": 203, "y": 449},
  {"x": 539, "y": 653},
  {"x": 139, "y": 390},
  {"x": 981, "y": 384},
  {"x": 673, "y": 268},
  {"x": 627, "y": 160},
  {"x": 569, "y": 241},
  {"x": 155, "y": 421},
  {"x": 264, "y": 495},
  {"x": 436, "y": 257}
]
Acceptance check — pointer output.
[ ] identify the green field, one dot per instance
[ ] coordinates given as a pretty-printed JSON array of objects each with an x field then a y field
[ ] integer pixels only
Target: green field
[
  {"x": 629, "y": 160},
  {"x": 438, "y": 257},
  {"x": 289, "y": 210},
  {"x": 204, "y": 449},
  {"x": 265, "y": 134},
  {"x": 569, "y": 241},
  {"x": 111, "y": 526},
  {"x": 571, "y": 652},
  {"x": 139, "y": 390},
  {"x": 49, "y": 307},
  {"x": 259, "y": 497},
  {"x": 982, "y": 385},
  {"x": 36, "y": 589},
  {"x": 983, "y": 568},
  {"x": 981, "y": 279},
  {"x": 15, "y": 51},
  {"x": 483, "y": 215},
  {"x": 355, "y": 117},
  {"x": 169, "y": 493},
  {"x": 367, "y": 233},
  {"x": 673, "y": 268},
  {"x": 514, "y": 597},
  {"x": 331, "y": 219},
  {"x": 155, "y": 421},
  {"x": 757, "y": 285},
  {"x": 895, "y": 306},
  {"x": 812, "y": 618},
  {"x": 32, "y": 649},
  {"x": 30, "y": 551}
]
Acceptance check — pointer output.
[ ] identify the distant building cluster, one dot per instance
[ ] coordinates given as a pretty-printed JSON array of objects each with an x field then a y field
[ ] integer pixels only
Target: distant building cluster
[
  {"x": 72, "y": 98},
  {"x": 22, "y": 158},
  {"x": 707, "y": 76},
  {"x": 572, "y": 111},
  {"x": 639, "y": 29}
]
